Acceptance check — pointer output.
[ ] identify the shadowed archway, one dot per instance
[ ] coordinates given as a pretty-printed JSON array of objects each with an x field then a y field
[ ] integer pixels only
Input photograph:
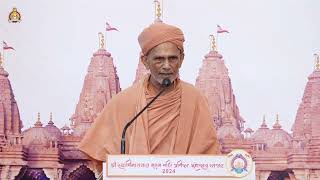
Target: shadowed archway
[
  {"x": 279, "y": 175},
  {"x": 82, "y": 173},
  {"x": 31, "y": 174}
]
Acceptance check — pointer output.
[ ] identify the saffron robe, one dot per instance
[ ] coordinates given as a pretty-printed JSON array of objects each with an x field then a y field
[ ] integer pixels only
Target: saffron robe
[{"x": 179, "y": 122}]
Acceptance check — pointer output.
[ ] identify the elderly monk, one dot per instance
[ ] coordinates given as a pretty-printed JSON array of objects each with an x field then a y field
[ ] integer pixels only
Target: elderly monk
[{"x": 178, "y": 122}]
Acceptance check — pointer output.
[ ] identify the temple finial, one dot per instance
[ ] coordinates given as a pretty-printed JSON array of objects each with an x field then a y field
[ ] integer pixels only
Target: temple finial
[
  {"x": 50, "y": 119},
  {"x": 213, "y": 46},
  {"x": 317, "y": 68},
  {"x": 277, "y": 124},
  {"x": 157, "y": 10},
  {"x": 38, "y": 123},
  {"x": 101, "y": 41},
  {"x": 264, "y": 125}
]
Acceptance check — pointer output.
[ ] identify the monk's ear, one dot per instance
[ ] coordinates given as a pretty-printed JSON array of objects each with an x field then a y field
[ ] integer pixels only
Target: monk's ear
[
  {"x": 144, "y": 60},
  {"x": 181, "y": 59}
]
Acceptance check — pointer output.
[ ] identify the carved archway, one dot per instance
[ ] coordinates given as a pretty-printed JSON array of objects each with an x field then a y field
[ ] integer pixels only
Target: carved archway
[
  {"x": 31, "y": 174},
  {"x": 82, "y": 173},
  {"x": 279, "y": 175}
]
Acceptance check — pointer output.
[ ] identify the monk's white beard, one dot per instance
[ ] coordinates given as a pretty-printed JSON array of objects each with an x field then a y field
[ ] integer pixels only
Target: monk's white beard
[{"x": 160, "y": 79}]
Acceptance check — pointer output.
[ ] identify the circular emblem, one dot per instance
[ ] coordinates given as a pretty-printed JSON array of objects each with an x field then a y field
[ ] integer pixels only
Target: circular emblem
[
  {"x": 14, "y": 16},
  {"x": 239, "y": 163}
]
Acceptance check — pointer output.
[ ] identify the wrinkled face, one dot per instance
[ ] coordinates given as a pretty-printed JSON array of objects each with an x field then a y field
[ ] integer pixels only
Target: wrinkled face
[{"x": 163, "y": 61}]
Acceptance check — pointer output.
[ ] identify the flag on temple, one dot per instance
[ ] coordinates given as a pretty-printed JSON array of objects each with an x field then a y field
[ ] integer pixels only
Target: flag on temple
[
  {"x": 6, "y": 47},
  {"x": 110, "y": 28},
  {"x": 221, "y": 30}
]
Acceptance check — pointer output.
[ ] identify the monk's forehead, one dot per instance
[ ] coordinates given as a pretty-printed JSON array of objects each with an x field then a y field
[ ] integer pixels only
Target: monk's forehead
[{"x": 166, "y": 47}]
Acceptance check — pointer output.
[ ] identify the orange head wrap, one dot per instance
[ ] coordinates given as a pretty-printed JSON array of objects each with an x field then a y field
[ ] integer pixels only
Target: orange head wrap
[{"x": 158, "y": 33}]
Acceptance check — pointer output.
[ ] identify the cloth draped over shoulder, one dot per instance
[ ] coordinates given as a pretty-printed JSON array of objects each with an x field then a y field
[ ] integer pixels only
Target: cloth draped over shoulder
[{"x": 179, "y": 122}]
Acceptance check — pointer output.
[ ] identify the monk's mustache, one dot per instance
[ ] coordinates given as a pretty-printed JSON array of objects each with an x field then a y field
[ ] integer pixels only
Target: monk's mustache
[{"x": 167, "y": 73}]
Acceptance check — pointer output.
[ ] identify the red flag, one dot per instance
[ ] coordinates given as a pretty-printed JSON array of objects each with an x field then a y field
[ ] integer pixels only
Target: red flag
[
  {"x": 110, "y": 28},
  {"x": 221, "y": 30},
  {"x": 6, "y": 47}
]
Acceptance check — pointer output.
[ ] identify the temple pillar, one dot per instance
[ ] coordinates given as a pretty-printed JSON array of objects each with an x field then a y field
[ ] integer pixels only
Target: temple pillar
[
  {"x": 4, "y": 172},
  {"x": 53, "y": 173},
  {"x": 302, "y": 174},
  {"x": 292, "y": 176},
  {"x": 95, "y": 167},
  {"x": 13, "y": 172},
  {"x": 262, "y": 175},
  {"x": 14, "y": 140},
  {"x": 48, "y": 172}
]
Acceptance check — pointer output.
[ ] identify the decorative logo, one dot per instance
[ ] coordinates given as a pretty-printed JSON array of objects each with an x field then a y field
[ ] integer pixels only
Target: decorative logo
[
  {"x": 14, "y": 16},
  {"x": 239, "y": 163}
]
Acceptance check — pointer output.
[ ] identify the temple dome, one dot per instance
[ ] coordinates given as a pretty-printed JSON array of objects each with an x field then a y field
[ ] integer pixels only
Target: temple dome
[
  {"x": 39, "y": 135},
  {"x": 54, "y": 132},
  {"x": 248, "y": 130},
  {"x": 278, "y": 137},
  {"x": 262, "y": 133}
]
